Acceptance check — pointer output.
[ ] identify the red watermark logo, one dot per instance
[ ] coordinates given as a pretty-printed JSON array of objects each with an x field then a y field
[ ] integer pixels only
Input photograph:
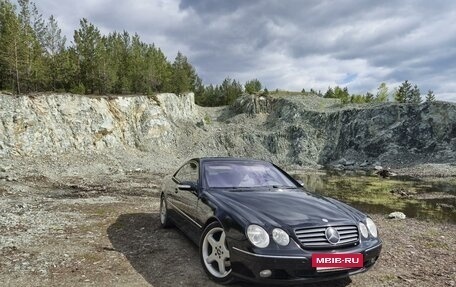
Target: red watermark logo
[{"x": 337, "y": 260}]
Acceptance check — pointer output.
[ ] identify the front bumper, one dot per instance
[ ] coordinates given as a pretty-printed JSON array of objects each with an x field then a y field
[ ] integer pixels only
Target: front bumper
[{"x": 292, "y": 269}]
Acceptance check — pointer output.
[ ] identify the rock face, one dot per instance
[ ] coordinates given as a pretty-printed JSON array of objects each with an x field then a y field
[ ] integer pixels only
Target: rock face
[
  {"x": 386, "y": 132},
  {"x": 38, "y": 125},
  {"x": 301, "y": 130}
]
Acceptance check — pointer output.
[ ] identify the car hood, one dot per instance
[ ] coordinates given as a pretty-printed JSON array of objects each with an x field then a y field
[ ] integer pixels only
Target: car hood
[{"x": 290, "y": 207}]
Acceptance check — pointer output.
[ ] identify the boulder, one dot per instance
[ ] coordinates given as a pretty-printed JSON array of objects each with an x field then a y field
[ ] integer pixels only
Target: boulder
[
  {"x": 364, "y": 164},
  {"x": 396, "y": 215},
  {"x": 342, "y": 161}
]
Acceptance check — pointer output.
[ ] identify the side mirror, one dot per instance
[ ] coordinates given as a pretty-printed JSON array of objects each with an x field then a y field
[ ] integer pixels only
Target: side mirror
[
  {"x": 187, "y": 185},
  {"x": 300, "y": 182}
]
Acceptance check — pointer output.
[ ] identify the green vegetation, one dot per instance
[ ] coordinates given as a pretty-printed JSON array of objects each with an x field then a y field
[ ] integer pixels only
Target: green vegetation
[
  {"x": 404, "y": 94},
  {"x": 207, "y": 119},
  {"x": 219, "y": 95},
  {"x": 35, "y": 57},
  {"x": 345, "y": 97},
  {"x": 407, "y": 94},
  {"x": 253, "y": 86},
  {"x": 382, "y": 93},
  {"x": 430, "y": 97}
]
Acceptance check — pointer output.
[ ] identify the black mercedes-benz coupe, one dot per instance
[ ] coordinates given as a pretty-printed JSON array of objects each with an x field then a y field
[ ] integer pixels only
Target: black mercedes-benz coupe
[{"x": 253, "y": 221}]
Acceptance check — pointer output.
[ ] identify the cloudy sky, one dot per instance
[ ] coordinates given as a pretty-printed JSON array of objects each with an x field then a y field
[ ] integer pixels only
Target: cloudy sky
[{"x": 290, "y": 44}]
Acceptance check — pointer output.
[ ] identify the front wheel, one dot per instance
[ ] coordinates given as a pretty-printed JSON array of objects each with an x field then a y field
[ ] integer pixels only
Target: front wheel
[
  {"x": 164, "y": 220},
  {"x": 214, "y": 254}
]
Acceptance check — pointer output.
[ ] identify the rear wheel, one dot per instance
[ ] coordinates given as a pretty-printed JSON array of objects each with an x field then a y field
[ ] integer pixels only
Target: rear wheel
[
  {"x": 164, "y": 220},
  {"x": 214, "y": 254}
]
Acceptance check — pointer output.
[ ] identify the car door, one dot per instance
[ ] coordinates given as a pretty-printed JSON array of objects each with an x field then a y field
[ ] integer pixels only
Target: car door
[{"x": 185, "y": 201}]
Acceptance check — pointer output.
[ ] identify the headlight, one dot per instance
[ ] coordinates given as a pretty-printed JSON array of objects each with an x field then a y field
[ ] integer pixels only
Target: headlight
[
  {"x": 258, "y": 236},
  {"x": 280, "y": 237},
  {"x": 363, "y": 229},
  {"x": 371, "y": 226}
]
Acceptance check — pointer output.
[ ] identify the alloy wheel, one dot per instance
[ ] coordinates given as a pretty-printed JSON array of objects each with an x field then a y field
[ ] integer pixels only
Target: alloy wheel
[{"x": 216, "y": 256}]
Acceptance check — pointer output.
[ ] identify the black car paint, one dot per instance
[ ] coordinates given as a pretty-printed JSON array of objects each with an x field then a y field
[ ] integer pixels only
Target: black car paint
[{"x": 191, "y": 210}]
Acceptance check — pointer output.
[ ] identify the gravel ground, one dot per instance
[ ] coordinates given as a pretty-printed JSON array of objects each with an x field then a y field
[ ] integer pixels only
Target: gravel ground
[{"x": 66, "y": 225}]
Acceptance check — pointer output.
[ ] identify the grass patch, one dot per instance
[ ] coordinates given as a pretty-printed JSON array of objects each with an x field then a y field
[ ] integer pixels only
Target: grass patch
[{"x": 207, "y": 119}]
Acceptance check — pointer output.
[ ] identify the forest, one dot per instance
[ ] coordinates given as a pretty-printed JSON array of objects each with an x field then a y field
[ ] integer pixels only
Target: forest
[{"x": 36, "y": 57}]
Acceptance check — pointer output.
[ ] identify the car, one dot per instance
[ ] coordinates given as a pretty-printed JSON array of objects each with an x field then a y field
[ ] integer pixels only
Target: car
[{"x": 254, "y": 222}]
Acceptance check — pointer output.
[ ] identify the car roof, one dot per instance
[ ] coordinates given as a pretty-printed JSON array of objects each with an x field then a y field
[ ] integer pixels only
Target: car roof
[{"x": 227, "y": 159}]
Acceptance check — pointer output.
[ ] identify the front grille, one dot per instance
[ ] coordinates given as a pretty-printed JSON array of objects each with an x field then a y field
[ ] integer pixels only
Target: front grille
[{"x": 315, "y": 237}]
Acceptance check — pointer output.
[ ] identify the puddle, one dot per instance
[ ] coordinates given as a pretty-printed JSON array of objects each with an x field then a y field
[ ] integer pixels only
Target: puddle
[{"x": 424, "y": 200}]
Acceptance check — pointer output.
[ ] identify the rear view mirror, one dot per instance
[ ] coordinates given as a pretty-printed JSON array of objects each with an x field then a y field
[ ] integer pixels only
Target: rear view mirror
[{"x": 187, "y": 185}]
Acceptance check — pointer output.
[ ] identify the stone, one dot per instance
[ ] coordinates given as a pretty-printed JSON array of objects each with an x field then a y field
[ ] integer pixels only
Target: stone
[
  {"x": 396, "y": 215},
  {"x": 342, "y": 161},
  {"x": 201, "y": 123},
  {"x": 364, "y": 163}
]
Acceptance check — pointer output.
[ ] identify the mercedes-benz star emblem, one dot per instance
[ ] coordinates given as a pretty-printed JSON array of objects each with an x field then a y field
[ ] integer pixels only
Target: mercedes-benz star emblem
[{"x": 332, "y": 235}]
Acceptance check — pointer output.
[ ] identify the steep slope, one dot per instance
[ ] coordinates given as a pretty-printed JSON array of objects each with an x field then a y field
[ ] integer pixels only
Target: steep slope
[
  {"x": 46, "y": 124},
  {"x": 302, "y": 130}
]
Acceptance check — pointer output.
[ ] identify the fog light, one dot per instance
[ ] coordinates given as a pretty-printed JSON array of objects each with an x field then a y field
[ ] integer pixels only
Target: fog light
[{"x": 265, "y": 273}]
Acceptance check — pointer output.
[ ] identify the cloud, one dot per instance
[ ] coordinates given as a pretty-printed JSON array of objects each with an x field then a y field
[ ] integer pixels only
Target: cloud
[{"x": 291, "y": 44}]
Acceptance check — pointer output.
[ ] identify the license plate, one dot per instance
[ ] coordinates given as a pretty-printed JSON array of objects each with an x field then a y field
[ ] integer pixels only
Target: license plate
[{"x": 335, "y": 261}]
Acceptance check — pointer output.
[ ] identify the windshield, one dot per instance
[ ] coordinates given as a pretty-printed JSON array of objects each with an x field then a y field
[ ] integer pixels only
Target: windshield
[{"x": 242, "y": 174}]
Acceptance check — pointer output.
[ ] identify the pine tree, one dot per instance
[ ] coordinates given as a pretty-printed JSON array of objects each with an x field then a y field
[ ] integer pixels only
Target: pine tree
[
  {"x": 253, "y": 86},
  {"x": 87, "y": 43},
  {"x": 415, "y": 96},
  {"x": 69, "y": 71},
  {"x": 329, "y": 93},
  {"x": 430, "y": 97},
  {"x": 403, "y": 94},
  {"x": 54, "y": 46},
  {"x": 231, "y": 90},
  {"x": 369, "y": 98},
  {"x": 184, "y": 77},
  {"x": 12, "y": 48},
  {"x": 382, "y": 93},
  {"x": 136, "y": 61},
  {"x": 342, "y": 94},
  {"x": 120, "y": 54},
  {"x": 32, "y": 28}
]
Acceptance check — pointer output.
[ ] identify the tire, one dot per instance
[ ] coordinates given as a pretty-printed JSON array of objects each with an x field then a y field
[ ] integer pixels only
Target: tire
[
  {"x": 214, "y": 254},
  {"x": 164, "y": 219}
]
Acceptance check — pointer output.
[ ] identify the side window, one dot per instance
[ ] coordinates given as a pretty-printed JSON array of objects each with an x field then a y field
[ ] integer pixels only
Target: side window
[{"x": 188, "y": 172}]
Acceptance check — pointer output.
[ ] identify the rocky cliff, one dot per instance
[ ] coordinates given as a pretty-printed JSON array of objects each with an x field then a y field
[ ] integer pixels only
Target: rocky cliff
[
  {"x": 45, "y": 124},
  {"x": 300, "y": 130}
]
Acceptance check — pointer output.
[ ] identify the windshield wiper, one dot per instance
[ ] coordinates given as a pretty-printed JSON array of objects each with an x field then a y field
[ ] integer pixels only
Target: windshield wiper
[{"x": 283, "y": 186}]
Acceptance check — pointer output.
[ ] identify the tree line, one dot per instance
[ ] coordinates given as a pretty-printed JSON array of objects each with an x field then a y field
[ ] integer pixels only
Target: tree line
[
  {"x": 35, "y": 57},
  {"x": 405, "y": 93}
]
